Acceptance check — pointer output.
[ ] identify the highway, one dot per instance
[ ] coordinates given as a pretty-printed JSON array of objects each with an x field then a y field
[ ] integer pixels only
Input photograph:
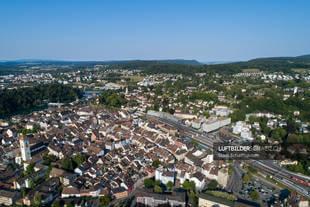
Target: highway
[{"x": 266, "y": 166}]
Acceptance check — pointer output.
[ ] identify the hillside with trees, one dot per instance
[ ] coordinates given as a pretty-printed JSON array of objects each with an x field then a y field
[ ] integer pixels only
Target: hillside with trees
[
  {"x": 111, "y": 98},
  {"x": 16, "y": 101}
]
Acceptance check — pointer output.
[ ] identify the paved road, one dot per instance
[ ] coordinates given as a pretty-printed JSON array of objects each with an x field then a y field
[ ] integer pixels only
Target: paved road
[{"x": 234, "y": 183}]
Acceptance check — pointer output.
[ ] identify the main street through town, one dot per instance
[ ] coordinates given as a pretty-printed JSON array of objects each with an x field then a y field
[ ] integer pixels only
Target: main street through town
[{"x": 268, "y": 167}]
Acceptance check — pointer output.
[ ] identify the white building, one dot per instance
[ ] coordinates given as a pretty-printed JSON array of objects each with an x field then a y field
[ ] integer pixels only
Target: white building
[
  {"x": 221, "y": 111},
  {"x": 164, "y": 176},
  {"x": 215, "y": 123},
  {"x": 222, "y": 177},
  {"x": 24, "y": 148},
  {"x": 182, "y": 176},
  {"x": 29, "y": 126},
  {"x": 246, "y": 134},
  {"x": 243, "y": 129},
  {"x": 196, "y": 123},
  {"x": 56, "y": 152},
  {"x": 238, "y": 127},
  {"x": 208, "y": 158},
  {"x": 184, "y": 116},
  {"x": 199, "y": 179},
  {"x": 112, "y": 86}
]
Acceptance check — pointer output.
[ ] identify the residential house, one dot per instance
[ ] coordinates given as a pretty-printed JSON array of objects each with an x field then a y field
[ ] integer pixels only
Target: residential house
[
  {"x": 119, "y": 192},
  {"x": 8, "y": 197},
  {"x": 199, "y": 179}
]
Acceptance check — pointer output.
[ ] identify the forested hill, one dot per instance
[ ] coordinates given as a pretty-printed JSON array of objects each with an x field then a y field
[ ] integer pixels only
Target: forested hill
[
  {"x": 297, "y": 59},
  {"x": 276, "y": 64},
  {"x": 21, "y": 66},
  {"x": 16, "y": 101},
  {"x": 273, "y": 64},
  {"x": 181, "y": 61}
]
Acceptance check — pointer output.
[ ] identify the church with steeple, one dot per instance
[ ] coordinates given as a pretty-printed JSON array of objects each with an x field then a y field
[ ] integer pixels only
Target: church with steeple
[{"x": 24, "y": 148}]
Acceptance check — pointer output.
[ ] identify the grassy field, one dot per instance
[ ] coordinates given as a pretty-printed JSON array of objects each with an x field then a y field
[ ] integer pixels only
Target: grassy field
[
  {"x": 134, "y": 78},
  {"x": 300, "y": 70},
  {"x": 251, "y": 70}
]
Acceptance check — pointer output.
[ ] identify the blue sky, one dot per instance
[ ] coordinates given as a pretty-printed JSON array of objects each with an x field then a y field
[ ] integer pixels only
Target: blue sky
[{"x": 113, "y": 30}]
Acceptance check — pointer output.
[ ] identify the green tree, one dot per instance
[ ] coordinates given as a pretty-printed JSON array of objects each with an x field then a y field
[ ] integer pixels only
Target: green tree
[
  {"x": 293, "y": 138},
  {"x": 212, "y": 184},
  {"x": 105, "y": 200},
  {"x": 189, "y": 185},
  {"x": 238, "y": 115},
  {"x": 252, "y": 170},
  {"x": 28, "y": 99},
  {"x": 148, "y": 183},
  {"x": 56, "y": 204},
  {"x": 230, "y": 170},
  {"x": 37, "y": 200},
  {"x": 206, "y": 114},
  {"x": 30, "y": 168},
  {"x": 158, "y": 189},
  {"x": 254, "y": 195},
  {"x": 23, "y": 192},
  {"x": 246, "y": 177},
  {"x": 291, "y": 126},
  {"x": 47, "y": 159},
  {"x": 169, "y": 185},
  {"x": 112, "y": 98},
  {"x": 186, "y": 185},
  {"x": 69, "y": 204},
  {"x": 192, "y": 185},
  {"x": 193, "y": 197},
  {"x": 157, "y": 182},
  {"x": 278, "y": 134},
  {"x": 299, "y": 168},
  {"x": 47, "y": 172},
  {"x": 78, "y": 159},
  {"x": 252, "y": 119},
  {"x": 156, "y": 163},
  {"x": 31, "y": 183},
  {"x": 67, "y": 164},
  {"x": 266, "y": 130}
]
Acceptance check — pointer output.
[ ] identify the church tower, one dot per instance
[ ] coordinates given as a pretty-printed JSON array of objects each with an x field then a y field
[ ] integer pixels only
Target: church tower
[{"x": 24, "y": 148}]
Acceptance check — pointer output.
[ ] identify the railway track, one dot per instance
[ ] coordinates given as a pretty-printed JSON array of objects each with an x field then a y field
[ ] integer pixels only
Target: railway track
[{"x": 279, "y": 174}]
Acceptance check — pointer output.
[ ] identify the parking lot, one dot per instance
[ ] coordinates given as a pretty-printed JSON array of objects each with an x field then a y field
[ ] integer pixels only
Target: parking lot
[{"x": 266, "y": 191}]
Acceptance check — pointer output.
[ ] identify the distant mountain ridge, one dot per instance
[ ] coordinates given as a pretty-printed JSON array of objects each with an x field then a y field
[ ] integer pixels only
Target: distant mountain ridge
[
  {"x": 270, "y": 64},
  {"x": 219, "y": 62},
  {"x": 172, "y": 61},
  {"x": 193, "y": 62}
]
